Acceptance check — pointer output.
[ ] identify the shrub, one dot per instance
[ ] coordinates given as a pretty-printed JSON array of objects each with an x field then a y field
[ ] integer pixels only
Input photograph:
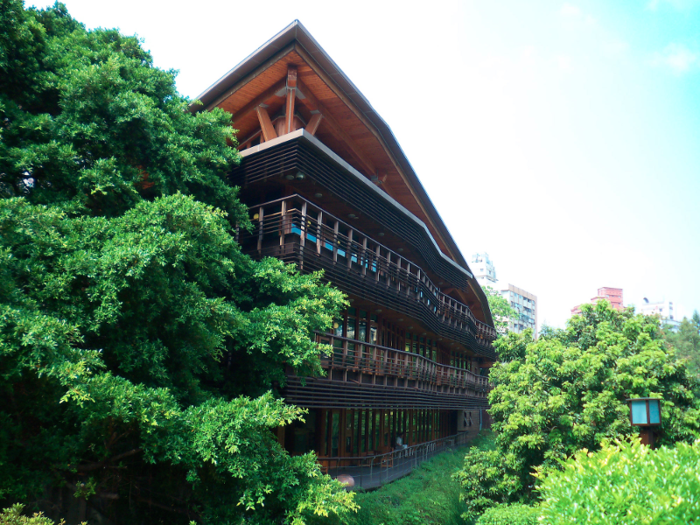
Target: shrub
[
  {"x": 624, "y": 483},
  {"x": 515, "y": 514},
  {"x": 13, "y": 516},
  {"x": 488, "y": 478}
]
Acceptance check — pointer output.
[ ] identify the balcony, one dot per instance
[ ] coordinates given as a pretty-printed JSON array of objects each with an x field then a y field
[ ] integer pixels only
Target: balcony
[
  {"x": 299, "y": 152},
  {"x": 381, "y": 365},
  {"x": 372, "y": 470},
  {"x": 295, "y": 230},
  {"x": 375, "y": 376}
]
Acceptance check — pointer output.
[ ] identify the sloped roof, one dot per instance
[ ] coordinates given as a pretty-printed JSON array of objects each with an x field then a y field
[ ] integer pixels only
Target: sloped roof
[{"x": 343, "y": 103}]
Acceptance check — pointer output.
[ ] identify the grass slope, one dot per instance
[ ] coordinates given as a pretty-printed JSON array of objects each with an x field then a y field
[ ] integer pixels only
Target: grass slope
[{"x": 427, "y": 496}]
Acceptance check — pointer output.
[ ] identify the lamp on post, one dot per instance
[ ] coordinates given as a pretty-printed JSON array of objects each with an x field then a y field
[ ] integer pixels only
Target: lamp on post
[{"x": 645, "y": 412}]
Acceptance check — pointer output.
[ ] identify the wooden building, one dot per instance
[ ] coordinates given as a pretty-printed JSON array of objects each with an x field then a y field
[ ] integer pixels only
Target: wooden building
[{"x": 329, "y": 188}]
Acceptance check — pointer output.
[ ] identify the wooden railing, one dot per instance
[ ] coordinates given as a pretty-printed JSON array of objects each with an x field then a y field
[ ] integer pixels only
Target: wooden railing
[
  {"x": 295, "y": 221},
  {"x": 367, "y": 358},
  {"x": 371, "y": 470}
]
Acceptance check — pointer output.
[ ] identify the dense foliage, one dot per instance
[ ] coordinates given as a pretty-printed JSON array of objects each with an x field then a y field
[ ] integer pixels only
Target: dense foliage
[
  {"x": 624, "y": 483},
  {"x": 686, "y": 340},
  {"x": 567, "y": 391},
  {"x": 510, "y": 514},
  {"x": 140, "y": 351},
  {"x": 13, "y": 516}
]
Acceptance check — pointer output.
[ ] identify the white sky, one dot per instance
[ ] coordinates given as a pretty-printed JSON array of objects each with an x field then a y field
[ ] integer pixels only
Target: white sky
[{"x": 561, "y": 138}]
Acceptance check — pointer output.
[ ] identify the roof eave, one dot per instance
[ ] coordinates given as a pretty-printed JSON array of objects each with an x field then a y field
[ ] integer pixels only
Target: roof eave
[{"x": 297, "y": 33}]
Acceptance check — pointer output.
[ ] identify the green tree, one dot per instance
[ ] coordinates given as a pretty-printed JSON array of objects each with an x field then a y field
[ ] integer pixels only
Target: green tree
[
  {"x": 567, "y": 391},
  {"x": 140, "y": 351},
  {"x": 501, "y": 310},
  {"x": 686, "y": 340}
]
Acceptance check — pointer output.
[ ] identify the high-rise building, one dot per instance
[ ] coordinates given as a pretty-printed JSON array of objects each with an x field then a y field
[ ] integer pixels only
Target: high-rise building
[
  {"x": 329, "y": 188},
  {"x": 524, "y": 303},
  {"x": 483, "y": 268},
  {"x": 612, "y": 295}
]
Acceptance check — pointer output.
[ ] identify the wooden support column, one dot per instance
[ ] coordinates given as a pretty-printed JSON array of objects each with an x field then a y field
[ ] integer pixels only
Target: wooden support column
[
  {"x": 312, "y": 126},
  {"x": 283, "y": 223},
  {"x": 291, "y": 97},
  {"x": 268, "y": 130},
  {"x": 335, "y": 242},
  {"x": 350, "y": 249},
  {"x": 364, "y": 260},
  {"x": 319, "y": 232},
  {"x": 408, "y": 278},
  {"x": 376, "y": 263},
  {"x": 302, "y": 226}
]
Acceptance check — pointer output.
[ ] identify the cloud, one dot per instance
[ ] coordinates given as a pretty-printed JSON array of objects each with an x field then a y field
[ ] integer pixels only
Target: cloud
[
  {"x": 678, "y": 57},
  {"x": 570, "y": 10}
]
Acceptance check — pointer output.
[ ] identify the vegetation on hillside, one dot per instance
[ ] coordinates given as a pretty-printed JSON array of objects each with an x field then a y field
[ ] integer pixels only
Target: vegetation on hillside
[
  {"x": 140, "y": 351},
  {"x": 428, "y": 495}
]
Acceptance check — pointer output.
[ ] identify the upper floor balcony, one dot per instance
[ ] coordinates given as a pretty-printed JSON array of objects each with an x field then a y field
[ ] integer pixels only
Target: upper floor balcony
[
  {"x": 362, "y": 374},
  {"x": 296, "y": 230},
  {"x": 300, "y": 162}
]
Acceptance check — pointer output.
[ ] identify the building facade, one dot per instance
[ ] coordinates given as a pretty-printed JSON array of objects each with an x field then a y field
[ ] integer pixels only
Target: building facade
[
  {"x": 523, "y": 302},
  {"x": 612, "y": 295},
  {"x": 664, "y": 309},
  {"x": 328, "y": 188},
  {"x": 525, "y": 305}
]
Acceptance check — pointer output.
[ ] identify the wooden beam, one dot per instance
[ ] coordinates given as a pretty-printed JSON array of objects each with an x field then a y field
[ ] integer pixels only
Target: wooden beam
[
  {"x": 308, "y": 98},
  {"x": 268, "y": 130},
  {"x": 313, "y": 124},
  {"x": 313, "y": 104},
  {"x": 291, "y": 96},
  {"x": 258, "y": 71},
  {"x": 260, "y": 99}
]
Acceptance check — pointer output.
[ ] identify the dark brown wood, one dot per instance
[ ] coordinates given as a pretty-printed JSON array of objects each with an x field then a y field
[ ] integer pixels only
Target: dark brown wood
[
  {"x": 268, "y": 130},
  {"x": 313, "y": 124},
  {"x": 336, "y": 129},
  {"x": 291, "y": 97},
  {"x": 263, "y": 98},
  {"x": 647, "y": 436}
]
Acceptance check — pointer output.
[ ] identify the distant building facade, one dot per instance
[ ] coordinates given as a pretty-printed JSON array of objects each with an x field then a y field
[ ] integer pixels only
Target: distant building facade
[
  {"x": 612, "y": 295},
  {"x": 522, "y": 301},
  {"x": 664, "y": 309},
  {"x": 484, "y": 270},
  {"x": 525, "y": 304}
]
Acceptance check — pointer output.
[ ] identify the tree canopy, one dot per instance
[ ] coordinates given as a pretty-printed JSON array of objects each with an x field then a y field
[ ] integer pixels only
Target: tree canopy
[
  {"x": 140, "y": 352},
  {"x": 568, "y": 390},
  {"x": 501, "y": 310},
  {"x": 686, "y": 340}
]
